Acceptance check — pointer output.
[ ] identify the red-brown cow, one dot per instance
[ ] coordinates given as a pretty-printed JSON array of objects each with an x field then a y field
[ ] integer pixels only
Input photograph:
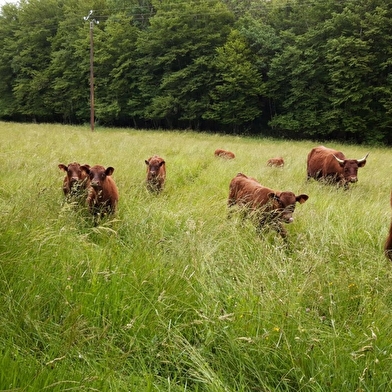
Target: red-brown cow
[
  {"x": 333, "y": 166},
  {"x": 76, "y": 179},
  {"x": 102, "y": 193},
  {"x": 270, "y": 206},
  {"x": 156, "y": 173},
  {"x": 388, "y": 242},
  {"x": 224, "y": 154},
  {"x": 277, "y": 162}
]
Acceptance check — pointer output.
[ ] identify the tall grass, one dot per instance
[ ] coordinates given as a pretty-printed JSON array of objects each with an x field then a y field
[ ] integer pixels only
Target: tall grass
[{"x": 169, "y": 294}]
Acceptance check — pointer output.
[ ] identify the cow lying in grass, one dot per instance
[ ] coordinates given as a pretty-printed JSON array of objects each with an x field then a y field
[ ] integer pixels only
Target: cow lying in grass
[
  {"x": 276, "y": 162},
  {"x": 224, "y": 154},
  {"x": 270, "y": 206}
]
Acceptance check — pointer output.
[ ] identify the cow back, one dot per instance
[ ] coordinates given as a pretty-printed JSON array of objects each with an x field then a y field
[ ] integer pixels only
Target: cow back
[
  {"x": 224, "y": 154},
  {"x": 244, "y": 190},
  {"x": 322, "y": 163},
  {"x": 277, "y": 162}
]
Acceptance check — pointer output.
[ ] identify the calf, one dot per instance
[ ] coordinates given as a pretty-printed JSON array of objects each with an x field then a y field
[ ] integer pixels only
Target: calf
[
  {"x": 388, "y": 242},
  {"x": 333, "y": 166},
  {"x": 269, "y": 206},
  {"x": 76, "y": 179},
  {"x": 224, "y": 154},
  {"x": 102, "y": 192},
  {"x": 156, "y": 173},
  {"x": 277, "y": 162}
]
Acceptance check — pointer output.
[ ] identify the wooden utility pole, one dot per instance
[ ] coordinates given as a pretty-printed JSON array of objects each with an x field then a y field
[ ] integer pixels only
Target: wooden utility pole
[
  {"x": 91, "y": 76},
  {"x": 92, "y": 21}
]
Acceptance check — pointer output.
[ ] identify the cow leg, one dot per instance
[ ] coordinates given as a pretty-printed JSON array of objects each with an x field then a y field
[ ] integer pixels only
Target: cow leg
[{"x": 282, "y": 231}]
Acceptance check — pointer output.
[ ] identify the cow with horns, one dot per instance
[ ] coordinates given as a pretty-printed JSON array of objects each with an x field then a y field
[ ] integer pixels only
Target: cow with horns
[{"x": 332, "y": 166}]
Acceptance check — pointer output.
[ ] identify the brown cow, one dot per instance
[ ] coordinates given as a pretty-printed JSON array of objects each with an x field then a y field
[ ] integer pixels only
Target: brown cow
[
  {"x": 388, "y": 242},
  {"x": 270, "y": 206},
  {"x": 102, "y": 192},
  {"x": 333, "y": 166},
  {"x": 277, "y": 162},
  {"x": 224, "y": 154},
  {"x": 156, "y": 173},
  {"x": 76, "y": 179}
]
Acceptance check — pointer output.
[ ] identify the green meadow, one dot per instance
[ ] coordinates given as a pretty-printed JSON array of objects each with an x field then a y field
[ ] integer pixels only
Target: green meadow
[{"x": 171, "y": 295}]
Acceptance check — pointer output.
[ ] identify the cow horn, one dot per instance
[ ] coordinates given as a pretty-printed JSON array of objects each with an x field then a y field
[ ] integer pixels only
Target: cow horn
[
  {"x": 338, "y": 159},
  {"x": 363, "y": 159}
]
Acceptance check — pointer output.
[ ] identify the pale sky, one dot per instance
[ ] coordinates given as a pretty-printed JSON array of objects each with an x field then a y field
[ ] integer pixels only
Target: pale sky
[{"x": 2, "y": 2}]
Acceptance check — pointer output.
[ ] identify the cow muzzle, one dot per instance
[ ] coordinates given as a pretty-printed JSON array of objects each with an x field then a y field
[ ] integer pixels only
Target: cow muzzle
[
  {"x": 286, "y": 215},
  {"x": 95, "y": 184},
  {"x": 287, "y": 219},
  {"x": 353, "y": 179}
]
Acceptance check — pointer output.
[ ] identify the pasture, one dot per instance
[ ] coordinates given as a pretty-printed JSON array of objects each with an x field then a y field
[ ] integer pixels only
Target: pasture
[{"x": 169, "y": 294}]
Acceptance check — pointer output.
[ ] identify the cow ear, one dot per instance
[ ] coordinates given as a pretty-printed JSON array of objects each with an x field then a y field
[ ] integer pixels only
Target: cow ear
[
  {"x": 147, "y": 163},
  {"x": 109, "y": 171},
  {"x": 85, "y": 168},
  {"x": 302, "y": 198},
  {"x": 63, "y": 167},
  {"x": 273, "y": 196},
  {"x": 161, "y": 163}
]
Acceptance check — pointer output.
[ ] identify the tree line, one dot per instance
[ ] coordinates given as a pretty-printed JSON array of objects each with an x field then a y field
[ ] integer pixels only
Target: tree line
[{"x": 315, "y": 69}]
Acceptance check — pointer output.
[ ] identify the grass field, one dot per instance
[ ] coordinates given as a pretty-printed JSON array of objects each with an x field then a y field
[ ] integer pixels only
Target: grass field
[{"x": 170, "y": 295}]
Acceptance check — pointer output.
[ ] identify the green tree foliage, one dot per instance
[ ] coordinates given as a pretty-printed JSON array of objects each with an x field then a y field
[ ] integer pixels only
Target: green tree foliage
[
  {"x": 38, "y": 22},
  {"x": 69, "y": 66},
  {"x": 358, "y": 63},
  {"x": 332, "y": 80},
  {"x": 301, "y": 68},
  {"x": 235, "y": 99},
  {"x": 297, "y": 86},
  {"x": 175, "y": 56},
  {"x": 8, "y": 26},
  {"x": 114, "y": 59},
  {"x": 264, "y": 43}
]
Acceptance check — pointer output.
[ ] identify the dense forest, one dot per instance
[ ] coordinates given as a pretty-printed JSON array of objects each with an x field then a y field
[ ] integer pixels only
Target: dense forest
[{"x": 318, "y": 69}]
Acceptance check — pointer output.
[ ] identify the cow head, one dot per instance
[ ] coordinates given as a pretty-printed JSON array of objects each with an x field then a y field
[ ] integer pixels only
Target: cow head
[
  {"x": 153, "y": 166},
  {"x": 284, "y": 204},
  {"x": 75, "y": 172},
  {"x": 350, "y": 167},
  {"x": 98, "y": 175}
]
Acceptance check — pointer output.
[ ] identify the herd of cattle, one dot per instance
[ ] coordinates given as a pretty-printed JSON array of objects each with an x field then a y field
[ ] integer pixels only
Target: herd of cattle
[{"x": 96, "y": 187}]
